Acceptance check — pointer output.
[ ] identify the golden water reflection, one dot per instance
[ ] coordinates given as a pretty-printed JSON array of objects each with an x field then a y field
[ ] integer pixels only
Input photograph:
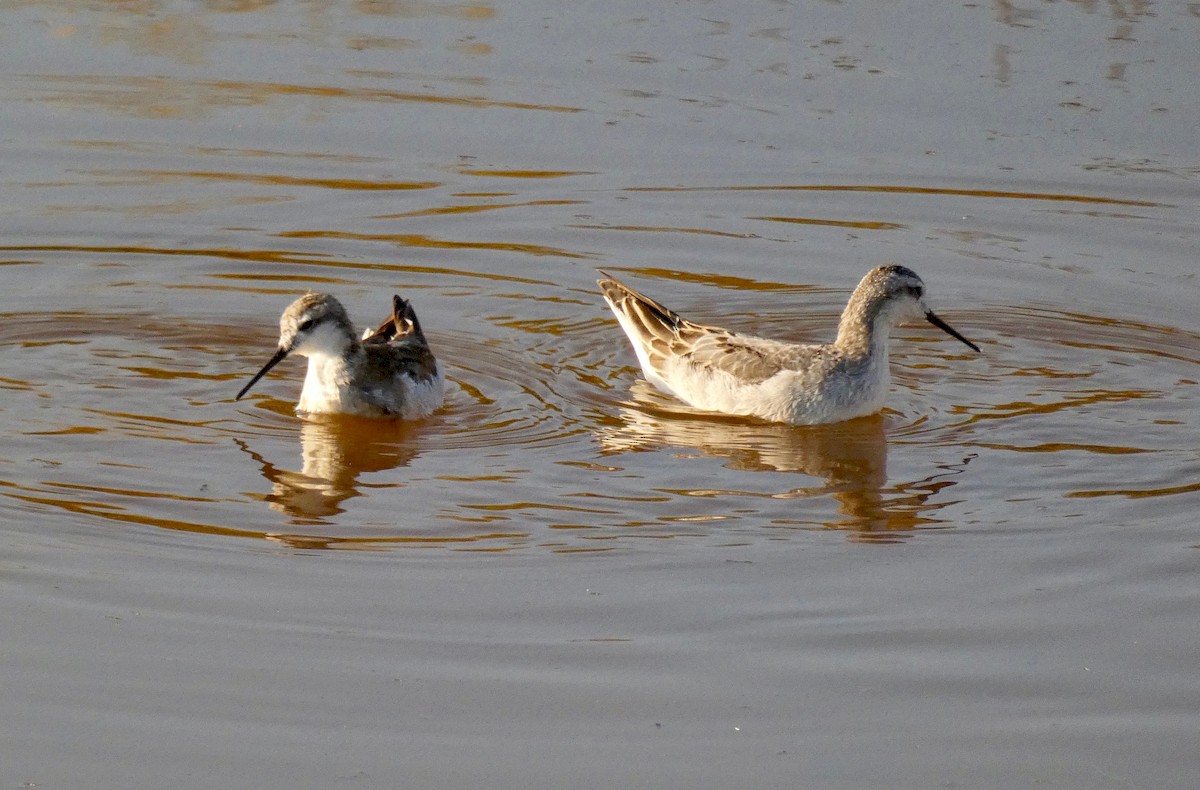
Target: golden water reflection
[
  {"x": 903, "y": 190},
  {"x": 335, "y": 452},
  {"x": 850, "y": 459},
  {"x": 162, "y": 98}
]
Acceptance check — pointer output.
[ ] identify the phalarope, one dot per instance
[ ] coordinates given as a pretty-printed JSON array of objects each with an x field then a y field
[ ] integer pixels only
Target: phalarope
[
  {"x": 390, "y": 372},
  {"x": 717, "y": 370}
]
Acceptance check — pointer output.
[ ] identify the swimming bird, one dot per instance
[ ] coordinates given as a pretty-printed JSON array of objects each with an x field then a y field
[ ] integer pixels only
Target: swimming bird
[
  {"x": 390, "y": 372},
  {"x": 717, "y": 370}
]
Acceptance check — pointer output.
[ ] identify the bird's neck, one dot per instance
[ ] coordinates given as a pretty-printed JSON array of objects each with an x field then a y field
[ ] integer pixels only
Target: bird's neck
[
  {"x": 335, "y": 368},
  {"x": 864, "y": 329}
]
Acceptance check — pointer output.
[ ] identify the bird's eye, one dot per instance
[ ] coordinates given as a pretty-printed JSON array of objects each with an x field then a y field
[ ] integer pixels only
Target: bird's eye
[{"x": 305, "y": 325}]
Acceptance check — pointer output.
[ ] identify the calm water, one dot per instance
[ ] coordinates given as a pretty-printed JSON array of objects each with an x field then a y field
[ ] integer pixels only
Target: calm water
[{"x": 565, "y": 579}]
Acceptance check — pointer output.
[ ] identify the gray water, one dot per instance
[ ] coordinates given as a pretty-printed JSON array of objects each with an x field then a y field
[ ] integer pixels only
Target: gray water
[{"x": 565, "y": 579}]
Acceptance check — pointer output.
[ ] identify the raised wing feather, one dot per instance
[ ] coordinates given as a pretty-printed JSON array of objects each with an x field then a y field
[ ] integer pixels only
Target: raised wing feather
[
  {"x": 400, "y": 324},
  {"x": 397, "y": 348},
  {"x": 668, "y": 339}
]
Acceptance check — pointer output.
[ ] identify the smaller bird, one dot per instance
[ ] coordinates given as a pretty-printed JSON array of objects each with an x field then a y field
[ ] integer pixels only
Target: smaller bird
[
  {"x": 390, "y": 372},
  {"x": 717, "y": 370}
]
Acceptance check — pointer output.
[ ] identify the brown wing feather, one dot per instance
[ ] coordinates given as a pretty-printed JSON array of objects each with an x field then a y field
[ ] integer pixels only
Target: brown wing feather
[
  {"x": 667, "y": 334},
  {"x": 401, "y": 323},
  {"x": 751, "y": 360},
  {"x": 398, "y": 346},
  {"x": 407, "y": 356}
]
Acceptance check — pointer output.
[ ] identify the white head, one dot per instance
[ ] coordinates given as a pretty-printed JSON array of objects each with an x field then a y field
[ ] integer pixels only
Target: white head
[{"x": 313, "y": 325}]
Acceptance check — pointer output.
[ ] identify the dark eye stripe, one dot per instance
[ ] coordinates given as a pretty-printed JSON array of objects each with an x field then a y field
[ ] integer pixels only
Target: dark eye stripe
[{"x": 305, "y": 325}]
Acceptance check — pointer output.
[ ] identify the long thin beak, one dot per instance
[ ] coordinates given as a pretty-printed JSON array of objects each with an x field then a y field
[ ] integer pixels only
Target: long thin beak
[
  {"x": 272, "y": 362},
  {"x": 929, "y": 316}
]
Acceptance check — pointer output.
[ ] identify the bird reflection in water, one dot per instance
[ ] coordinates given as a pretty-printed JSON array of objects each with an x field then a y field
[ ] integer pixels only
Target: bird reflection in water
[
  {"x": 850, "y": 457},
  {"x": 335, "y": 449}
]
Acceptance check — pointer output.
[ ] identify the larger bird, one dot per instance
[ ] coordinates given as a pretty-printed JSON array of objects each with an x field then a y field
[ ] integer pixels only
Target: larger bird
[
  {"x": 390, "y": 372},
  {"x": 717, "y": 370}
]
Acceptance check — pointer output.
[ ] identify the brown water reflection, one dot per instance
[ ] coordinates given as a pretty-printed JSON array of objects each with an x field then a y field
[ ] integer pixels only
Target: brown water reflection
[
  {"x": 133, "y": 178},
  {"x": 422, "y": 241},
  {"x": 902, "y": 190},
  {"x": 335, "y": 452},
  {"x": 850, "y": 458},
  {"x": 157, "y": 97},
  {"x": 524, "y": 587},
  {"x": 538, "y": 389}
]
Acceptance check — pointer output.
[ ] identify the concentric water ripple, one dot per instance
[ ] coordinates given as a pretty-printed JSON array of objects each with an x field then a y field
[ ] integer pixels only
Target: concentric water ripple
[
  {"x": 568, "y": 442},
  {"x": 1083, "y": 364}
]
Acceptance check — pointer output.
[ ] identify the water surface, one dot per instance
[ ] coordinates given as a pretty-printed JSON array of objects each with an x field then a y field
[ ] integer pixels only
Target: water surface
[{"x": 565, "y": 578}]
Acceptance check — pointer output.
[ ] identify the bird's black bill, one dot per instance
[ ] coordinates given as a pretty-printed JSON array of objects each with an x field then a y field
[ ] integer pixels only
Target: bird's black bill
[
  {"x": 272, "y": 362},
  {"x": 930, "y": 317}
]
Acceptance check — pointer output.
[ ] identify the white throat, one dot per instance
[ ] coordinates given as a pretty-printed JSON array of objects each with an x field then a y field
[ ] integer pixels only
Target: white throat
[{"x": 331, "y": 368}]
